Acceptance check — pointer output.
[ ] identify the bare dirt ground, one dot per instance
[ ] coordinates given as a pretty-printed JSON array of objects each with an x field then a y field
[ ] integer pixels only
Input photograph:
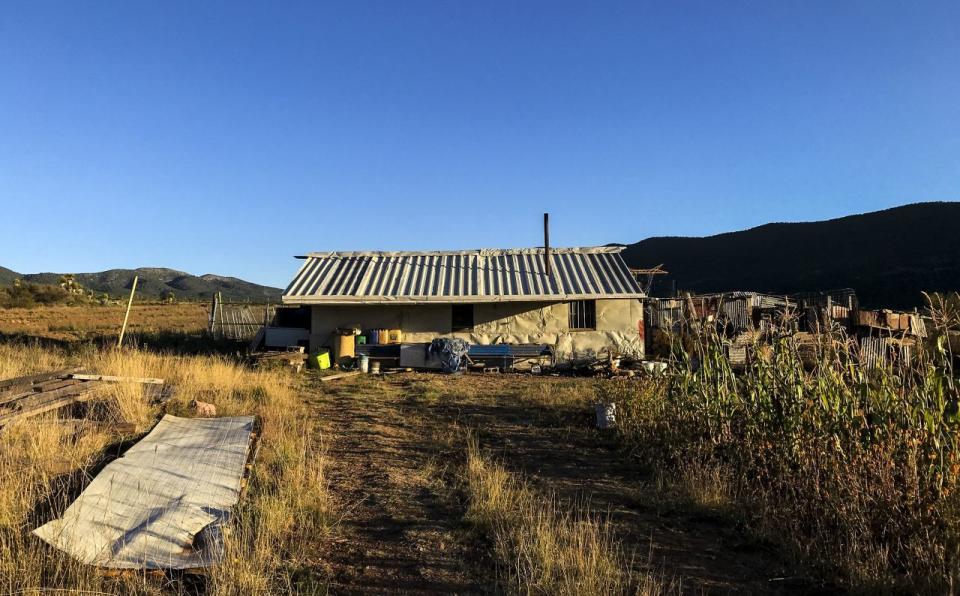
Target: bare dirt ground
[
  {"x": 395, "y": 446},
  {"x": 401, "y": 528}
]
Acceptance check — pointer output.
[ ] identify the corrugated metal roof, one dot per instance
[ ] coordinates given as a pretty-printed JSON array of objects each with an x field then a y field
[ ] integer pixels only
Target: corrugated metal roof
[{"x": 484, "y": 275}]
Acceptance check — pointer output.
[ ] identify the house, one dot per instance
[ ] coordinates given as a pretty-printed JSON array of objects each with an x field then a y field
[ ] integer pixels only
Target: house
[{"x": 578, "y": 301}]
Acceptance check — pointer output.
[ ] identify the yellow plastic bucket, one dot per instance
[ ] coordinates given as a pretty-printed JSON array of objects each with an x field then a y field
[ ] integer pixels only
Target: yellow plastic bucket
[{"x": 320, "y": 360}]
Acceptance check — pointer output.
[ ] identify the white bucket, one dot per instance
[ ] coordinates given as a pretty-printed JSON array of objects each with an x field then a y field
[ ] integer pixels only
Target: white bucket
[
  {"x": 364, "y": 363},
  {"x": 606, "y": 416},
  {"x": 653, "y": 367}
]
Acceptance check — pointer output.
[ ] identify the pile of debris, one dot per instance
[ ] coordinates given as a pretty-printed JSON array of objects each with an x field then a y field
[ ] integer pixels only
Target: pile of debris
[
  {"x": 745, "y": 321},
  {"x": 294, "y": 357}
]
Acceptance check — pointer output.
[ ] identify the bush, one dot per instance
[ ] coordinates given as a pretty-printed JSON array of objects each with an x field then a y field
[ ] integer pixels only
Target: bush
[{"x": 27, "y": 295}]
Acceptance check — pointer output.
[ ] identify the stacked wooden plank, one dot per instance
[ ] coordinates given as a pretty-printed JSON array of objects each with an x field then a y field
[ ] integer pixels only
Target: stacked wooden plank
[{"x": 32, "y": 395}]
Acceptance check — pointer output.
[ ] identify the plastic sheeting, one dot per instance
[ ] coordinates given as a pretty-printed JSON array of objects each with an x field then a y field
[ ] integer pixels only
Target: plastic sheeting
[
  {"x": 451, "y": 351},
  {"x": 163, "y": 504}
]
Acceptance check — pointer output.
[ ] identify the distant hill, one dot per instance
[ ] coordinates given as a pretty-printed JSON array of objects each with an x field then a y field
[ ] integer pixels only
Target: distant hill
[
  {"x": 888, "y": 256},
  {"x": 7, "y": 276},
  {"x": 155, "y": 282}
]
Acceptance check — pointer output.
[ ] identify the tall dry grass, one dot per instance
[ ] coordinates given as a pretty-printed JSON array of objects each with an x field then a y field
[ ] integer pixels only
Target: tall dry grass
[
  {"x": 856, "y": 469},
  {"x": 543, "y": 547},
  {"x": 43, "y": 464}
]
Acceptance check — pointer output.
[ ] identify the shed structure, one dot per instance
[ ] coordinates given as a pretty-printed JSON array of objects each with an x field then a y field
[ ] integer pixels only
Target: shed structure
[{"x": 585, "y": 303}]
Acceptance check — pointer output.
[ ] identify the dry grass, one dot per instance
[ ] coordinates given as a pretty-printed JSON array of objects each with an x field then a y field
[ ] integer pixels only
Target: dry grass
[
  {"x": 554, "y": 392},
  {"x": 700, "y": 485},
  {"x": 43, "y": 465},
  {"x": 72, "y": 323},
  {"x": 543, "y": 548}
]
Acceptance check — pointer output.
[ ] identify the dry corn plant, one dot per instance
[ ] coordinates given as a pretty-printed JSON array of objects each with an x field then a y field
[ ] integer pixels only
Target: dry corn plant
[
  {"x": 44, "y": 464},
  {"x": 543, "y": 548},
  {"x": 857, "y": 467}
]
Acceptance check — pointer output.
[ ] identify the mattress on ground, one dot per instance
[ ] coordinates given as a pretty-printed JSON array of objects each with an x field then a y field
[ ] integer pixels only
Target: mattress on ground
[{"x": 163, "y": 504}]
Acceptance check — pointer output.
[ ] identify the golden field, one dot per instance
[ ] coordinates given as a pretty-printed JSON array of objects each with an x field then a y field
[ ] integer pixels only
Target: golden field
[
  {"x": 41, "y": 461},
  {"x": 832, "y": 477},
  {"x": 71, "y": 323}
]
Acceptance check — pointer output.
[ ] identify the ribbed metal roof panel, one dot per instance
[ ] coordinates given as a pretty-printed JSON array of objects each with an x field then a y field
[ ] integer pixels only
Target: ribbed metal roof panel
[{"x": 462, "y": 276}]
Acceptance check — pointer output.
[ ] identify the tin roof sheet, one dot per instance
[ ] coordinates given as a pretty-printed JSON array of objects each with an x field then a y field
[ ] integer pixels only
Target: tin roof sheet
[
  {"x": 484, "y": 275},
  {"x": 169, "y": 493}
]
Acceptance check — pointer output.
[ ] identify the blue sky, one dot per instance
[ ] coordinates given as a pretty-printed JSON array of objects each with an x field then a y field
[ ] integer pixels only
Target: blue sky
[{"x": 227, "y": 137}]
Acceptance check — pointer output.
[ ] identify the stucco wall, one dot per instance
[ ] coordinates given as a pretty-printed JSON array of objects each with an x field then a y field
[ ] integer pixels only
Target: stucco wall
[{"x": 619, "y": 324}]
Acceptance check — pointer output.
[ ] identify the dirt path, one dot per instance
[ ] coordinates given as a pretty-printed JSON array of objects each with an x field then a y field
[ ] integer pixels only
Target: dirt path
[
  {"x": 394, "y": 447},
  {"x": 560, "y": 453},
  {"x": 402, "y": 529}
]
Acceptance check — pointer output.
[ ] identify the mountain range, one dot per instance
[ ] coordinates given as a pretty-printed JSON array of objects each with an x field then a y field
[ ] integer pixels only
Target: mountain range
[
  {"x": 156, "y": 282},
  {"x": 887, "y": 256}
]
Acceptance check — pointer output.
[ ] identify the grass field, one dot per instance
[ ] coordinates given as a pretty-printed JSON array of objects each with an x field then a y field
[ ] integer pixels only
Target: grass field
[
  {"x": 42, "y": 462},
  {"x": 72, "y": 323},
  {"x": 415, "y": 481},
  {"x": 776, "y": 479}
]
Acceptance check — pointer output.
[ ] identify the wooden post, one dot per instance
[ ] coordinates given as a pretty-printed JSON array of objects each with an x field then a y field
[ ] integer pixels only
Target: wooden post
[
  {"x": 220, "y": 306},
  {"x": 546, "y": 243},
  {"x": 126, "y": 315},
  {"x": 828, "y": 318},
  {"x": 213, "y": 313}
]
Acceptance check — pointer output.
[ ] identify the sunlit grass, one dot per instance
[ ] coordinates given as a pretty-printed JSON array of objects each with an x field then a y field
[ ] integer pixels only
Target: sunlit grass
[{"x": 286, "y": 504}]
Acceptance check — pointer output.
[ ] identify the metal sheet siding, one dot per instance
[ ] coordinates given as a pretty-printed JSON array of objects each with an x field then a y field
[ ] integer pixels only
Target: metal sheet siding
[{"x": 482, "y": 275}]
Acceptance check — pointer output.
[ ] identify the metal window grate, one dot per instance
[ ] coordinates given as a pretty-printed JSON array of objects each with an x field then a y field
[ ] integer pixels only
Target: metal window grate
[{"x": 583, "y": 314}]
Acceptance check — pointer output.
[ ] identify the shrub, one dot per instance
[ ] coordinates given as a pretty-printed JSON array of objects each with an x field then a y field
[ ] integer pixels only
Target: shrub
[{"x": 27, "y": 295}]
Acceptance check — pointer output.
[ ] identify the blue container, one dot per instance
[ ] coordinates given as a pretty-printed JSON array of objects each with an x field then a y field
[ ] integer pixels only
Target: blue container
[{"x": 374, "y": 336}]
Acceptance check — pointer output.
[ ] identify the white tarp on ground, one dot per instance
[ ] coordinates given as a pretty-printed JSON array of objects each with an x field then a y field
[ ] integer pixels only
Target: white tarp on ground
[{"x": 164, "y": 503}]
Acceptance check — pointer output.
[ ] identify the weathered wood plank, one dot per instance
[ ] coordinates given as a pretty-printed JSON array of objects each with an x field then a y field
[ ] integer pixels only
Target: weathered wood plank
[
  {"x": 10, "y": 399},
  {"x": 113, "y": 379},
  {"x": 49, "y": 401},
  {"x": 54, "y": 384},
  {"x": 339, "y": 376},
  {"x": 29, "y": 380}
]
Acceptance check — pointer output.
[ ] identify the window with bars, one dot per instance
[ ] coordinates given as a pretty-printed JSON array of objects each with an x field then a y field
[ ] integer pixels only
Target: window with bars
[
  {"x": 462, "y": 317},
  {"x": 583, "y": 314}
]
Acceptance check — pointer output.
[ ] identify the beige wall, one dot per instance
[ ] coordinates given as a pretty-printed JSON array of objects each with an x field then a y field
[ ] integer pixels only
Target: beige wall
[{"x": 619, "y": 322}]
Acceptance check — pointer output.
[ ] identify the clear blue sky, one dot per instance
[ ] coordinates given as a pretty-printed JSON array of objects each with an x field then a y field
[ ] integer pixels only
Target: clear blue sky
[{"x": 227, "y": 137}]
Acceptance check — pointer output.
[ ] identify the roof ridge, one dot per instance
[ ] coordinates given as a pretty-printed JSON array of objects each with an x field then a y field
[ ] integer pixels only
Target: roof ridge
[{"x": 476, "y": 251}]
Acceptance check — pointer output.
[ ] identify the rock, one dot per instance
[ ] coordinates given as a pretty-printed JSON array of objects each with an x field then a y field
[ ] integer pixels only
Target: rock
[{"x": 203, "y": 409}]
